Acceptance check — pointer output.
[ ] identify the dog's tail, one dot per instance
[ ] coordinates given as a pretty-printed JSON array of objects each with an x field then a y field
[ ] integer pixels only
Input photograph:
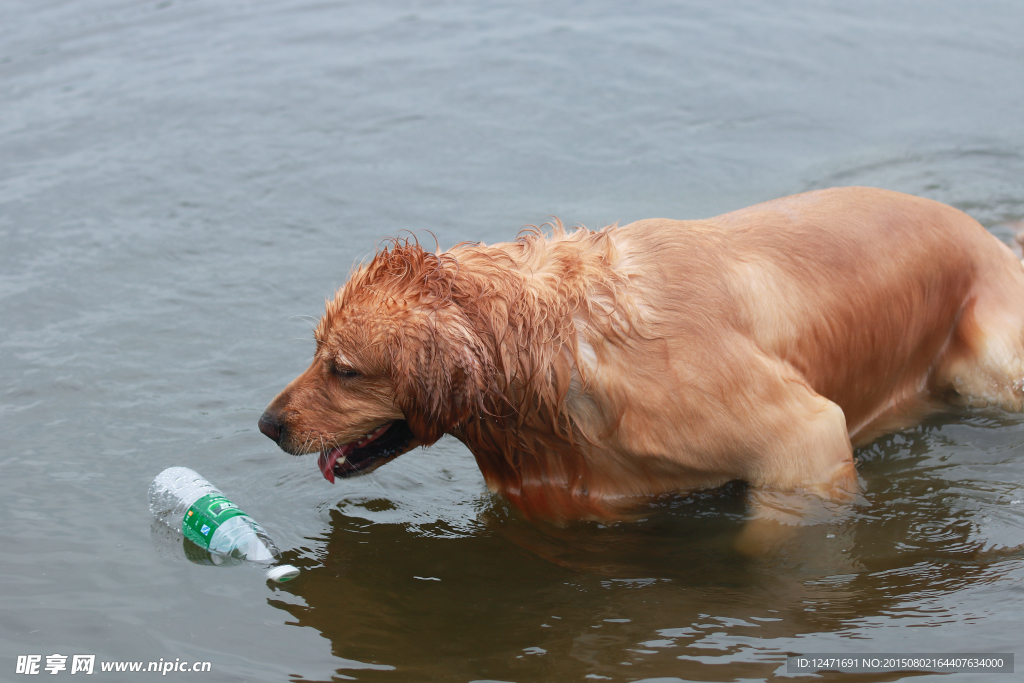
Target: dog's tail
[{"x": 1018, "y": 238}]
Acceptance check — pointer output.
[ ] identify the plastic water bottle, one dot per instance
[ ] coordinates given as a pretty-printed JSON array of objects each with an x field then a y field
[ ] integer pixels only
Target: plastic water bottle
[
  {"x": 171, "y": 544},
  {"x": 183, "y": 500}
]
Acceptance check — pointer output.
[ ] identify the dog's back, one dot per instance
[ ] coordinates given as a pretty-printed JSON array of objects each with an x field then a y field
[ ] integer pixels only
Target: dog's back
[{"x": 875, "y": 297}]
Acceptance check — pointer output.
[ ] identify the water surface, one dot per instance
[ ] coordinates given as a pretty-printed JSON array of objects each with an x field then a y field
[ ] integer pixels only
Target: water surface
[{"x": 181, "y": 185}]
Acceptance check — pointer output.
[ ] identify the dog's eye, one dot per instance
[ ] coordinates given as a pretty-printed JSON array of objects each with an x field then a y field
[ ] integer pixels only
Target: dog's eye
[{"x": 345, "y": 372}]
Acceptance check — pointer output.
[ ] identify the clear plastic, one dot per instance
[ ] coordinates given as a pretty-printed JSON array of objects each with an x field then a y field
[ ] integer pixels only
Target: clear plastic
[
  {"x": 243, "y": 538},
  {"x": 176, "y": 489},
  {"x": 170, "y": 544}
]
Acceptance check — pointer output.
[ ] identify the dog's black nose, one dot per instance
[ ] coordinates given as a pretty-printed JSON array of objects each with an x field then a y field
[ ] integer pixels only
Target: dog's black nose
[{"x": 271, "y": 426}]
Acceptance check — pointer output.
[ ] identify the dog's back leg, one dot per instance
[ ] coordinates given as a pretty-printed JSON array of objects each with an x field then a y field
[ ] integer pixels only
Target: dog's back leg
[{"x": 984, "y": 364}]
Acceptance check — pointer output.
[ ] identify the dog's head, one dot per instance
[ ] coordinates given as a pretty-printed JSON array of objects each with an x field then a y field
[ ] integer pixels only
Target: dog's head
[{"x": 398, "y": 363}]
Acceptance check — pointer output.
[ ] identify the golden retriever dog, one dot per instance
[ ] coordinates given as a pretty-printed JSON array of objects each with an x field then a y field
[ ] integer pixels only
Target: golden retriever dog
[{"x": 590, "y": 371}]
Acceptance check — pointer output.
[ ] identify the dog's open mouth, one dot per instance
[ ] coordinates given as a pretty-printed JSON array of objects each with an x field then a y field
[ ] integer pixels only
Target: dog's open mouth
[{"x": 368, "y": 453}]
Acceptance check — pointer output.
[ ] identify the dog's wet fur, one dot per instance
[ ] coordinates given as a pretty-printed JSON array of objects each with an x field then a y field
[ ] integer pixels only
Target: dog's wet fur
[{"x": 589, "y": 370}]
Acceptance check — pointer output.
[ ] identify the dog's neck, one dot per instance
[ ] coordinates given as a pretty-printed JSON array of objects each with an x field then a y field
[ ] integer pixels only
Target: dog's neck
[{"x": 560, "y": 307}]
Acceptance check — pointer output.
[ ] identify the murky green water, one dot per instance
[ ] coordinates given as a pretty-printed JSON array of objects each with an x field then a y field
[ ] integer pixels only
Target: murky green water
[{"x": 182, "y": 183}]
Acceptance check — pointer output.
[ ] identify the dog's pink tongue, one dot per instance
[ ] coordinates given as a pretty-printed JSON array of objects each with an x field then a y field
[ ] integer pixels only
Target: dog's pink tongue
[
  {"x": 326, "y": 463},
  {"x": 328, "y": 458}
]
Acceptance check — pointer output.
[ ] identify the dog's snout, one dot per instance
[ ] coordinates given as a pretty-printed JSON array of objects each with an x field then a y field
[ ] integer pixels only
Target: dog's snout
[{"x": 271, "y": 426}]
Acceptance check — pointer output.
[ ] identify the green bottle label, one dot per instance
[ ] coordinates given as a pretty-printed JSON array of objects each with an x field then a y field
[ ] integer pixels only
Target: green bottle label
[{"x": 205, "y": 515}]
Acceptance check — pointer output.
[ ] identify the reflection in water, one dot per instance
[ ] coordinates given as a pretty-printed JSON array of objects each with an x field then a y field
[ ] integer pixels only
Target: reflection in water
[{"x": 669, "y": 595}]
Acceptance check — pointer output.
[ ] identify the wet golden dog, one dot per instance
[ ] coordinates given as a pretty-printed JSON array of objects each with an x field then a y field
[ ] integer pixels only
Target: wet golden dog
[{"x": 589, "y": 370}]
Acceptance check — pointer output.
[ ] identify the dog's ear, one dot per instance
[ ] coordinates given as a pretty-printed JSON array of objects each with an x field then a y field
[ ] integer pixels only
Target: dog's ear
[{"x": 438, "y": 376}]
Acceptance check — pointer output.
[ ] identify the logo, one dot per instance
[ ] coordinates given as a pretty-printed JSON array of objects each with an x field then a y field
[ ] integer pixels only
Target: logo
[
  {"x": 222, "y": 506},
  {"x": 205, "y": 530}
]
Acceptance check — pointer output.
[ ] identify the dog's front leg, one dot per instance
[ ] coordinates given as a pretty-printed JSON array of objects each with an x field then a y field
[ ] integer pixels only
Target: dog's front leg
[{"x": 803, "y": 472}]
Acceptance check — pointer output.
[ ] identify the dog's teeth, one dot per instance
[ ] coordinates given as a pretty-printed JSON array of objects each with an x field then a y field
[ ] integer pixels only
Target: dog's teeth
[{"x": 367, "y": 438}]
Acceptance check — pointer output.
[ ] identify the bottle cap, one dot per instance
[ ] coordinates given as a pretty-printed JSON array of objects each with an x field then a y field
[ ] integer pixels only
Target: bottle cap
[{"x": 282, "y": 573}]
